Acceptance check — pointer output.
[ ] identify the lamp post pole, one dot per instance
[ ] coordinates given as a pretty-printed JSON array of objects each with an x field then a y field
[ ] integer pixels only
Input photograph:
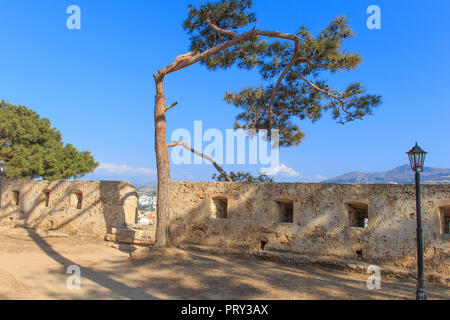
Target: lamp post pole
[
  {"x": 1, "y": 190},
  {"x": 2, "y": 178},
  {"x": 421, "y": 294},
  {"x": 417, "y": 158}
]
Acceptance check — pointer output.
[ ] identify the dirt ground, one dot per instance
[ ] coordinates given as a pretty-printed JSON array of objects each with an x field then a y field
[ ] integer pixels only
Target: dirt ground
[{"x": 33, "y": 265}]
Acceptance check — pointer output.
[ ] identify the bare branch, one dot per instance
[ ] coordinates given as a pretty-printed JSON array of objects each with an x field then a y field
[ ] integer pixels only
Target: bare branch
[
  {"x": 186, "y": 146},
  {"x": 188, "y": 59},
  {"x": 341, "y": 102},
  {"x": 191, "y": 58},
  {"x": 171, "y": 106},
  {"x": 336, "y": 95},
  {"x": 219, "y": 30}
]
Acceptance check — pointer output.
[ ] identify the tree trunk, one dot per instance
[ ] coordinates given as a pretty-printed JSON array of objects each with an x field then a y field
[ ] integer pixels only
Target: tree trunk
[
  {"x": 163, "y": 166},
  {"x": 162, "y": 153}
]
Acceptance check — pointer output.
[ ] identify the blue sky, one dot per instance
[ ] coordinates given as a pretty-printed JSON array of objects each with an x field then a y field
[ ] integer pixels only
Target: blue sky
[{"x": 96, "y": 84}]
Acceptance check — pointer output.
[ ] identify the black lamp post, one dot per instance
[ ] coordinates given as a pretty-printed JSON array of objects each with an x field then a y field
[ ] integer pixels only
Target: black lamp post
[
  {"x": 417, "y": 158},
  {"x": 2, "y": 178}
]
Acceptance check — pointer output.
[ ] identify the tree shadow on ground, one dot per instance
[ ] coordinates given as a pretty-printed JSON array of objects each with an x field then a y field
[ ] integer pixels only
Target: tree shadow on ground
[
  {"x": 97, "y": 276},
  {"x": 193, "y": 275},
  {"x": 190, "y": 274},
  {"x": 210, "y": 275},
  {"x": 106, "y": 192}
]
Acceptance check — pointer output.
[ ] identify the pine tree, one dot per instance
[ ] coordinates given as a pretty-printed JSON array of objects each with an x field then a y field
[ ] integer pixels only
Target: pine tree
[
  {"x": 32, "y": 149},
  {"x": 293, "y": 67},
  {"x": 242, "y": 176}
]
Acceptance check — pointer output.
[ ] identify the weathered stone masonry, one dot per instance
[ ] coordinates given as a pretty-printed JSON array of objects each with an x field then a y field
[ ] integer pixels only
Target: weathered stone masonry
[
  {"x": 319, "y": 219},
  {"x": 374, "y": 223},
  {"x": 90, "y": 208}
]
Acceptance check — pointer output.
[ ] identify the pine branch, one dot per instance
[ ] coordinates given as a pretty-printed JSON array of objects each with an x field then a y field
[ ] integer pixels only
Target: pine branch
[
  {"x": 219, "y": 30},
  {"x": 332, "y": 93},
  {"x": 186, "y": 146}
]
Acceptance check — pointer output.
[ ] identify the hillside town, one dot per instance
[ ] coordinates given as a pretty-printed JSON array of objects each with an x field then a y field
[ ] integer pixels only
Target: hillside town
[{"x": 147, "y": 206}]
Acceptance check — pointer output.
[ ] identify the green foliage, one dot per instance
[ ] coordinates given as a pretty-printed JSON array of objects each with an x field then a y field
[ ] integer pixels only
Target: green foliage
[
  {"x": 32, "y": 149},
  {"x": 229, "y": 15},
  {"x": 242, "y": 176},
  {"x": 254, "y": 101},
  {"x": 304, "y": 93}
]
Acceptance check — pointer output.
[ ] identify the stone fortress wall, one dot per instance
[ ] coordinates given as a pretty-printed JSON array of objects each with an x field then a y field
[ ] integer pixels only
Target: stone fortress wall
[
  {"x": 90, "y": 208},
  {"x": 375, "y": 223}
]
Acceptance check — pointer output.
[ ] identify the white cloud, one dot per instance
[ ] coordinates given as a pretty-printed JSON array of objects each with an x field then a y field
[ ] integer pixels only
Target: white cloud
[
  {"x": 281, "y": 170},
  {"x": 123, "y": 169},
  {"x": 319, "y": 177}
]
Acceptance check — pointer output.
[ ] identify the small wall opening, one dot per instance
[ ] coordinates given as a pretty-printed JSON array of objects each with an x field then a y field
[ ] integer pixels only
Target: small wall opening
[
  {"x": 78, "y": 200},
  {"x": 285, "y": 211},
  {"x": 359, "y": 254},
  {"x": 263, "y": 245},
  {"x": 220, "y": 208},
  {"x": 445, "y": 220},
  {"x": 16, "y": 197},
  {"x": 358, "y": 214},
  {"x": 46, "y": 197}
]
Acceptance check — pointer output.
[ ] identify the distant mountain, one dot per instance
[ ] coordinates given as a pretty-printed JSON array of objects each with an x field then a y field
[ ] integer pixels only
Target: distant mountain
[
  {"x": 148, "y": 185},
  {"x": 146, "y": 189},
  {"x": 400, "y": 175}
]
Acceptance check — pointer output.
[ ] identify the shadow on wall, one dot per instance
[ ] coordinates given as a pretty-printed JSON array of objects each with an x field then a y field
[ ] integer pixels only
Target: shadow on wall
[
  {"x": 119, "y": 203},
  {"x": 238, "y": 217},
  {"x": 90, "y": 208},
  {"x": 242, "y": 216},
  {"x": 370, "y": 223},
  {"x": 94, "y": 207}
]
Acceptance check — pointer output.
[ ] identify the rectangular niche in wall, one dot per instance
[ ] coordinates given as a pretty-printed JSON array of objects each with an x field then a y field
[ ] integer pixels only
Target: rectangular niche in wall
[
  {"x": 358, "y": 214},
  {"x": 220, "y": 208},
  {"x": 46, "y": 197},
  {"x": 445, "y": 218},
  {"x": 77, "y": 200},
  {"x": 285, "y": 211},
  {"x": 16, "y": 197}
]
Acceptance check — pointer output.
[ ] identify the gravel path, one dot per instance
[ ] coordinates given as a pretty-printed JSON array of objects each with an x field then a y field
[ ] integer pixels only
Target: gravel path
[{"x": 33, "y": 266}]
